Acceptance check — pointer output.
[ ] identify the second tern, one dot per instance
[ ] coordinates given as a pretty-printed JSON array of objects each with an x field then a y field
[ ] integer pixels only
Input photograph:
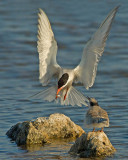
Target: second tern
[{"x": 96, "y": 117}]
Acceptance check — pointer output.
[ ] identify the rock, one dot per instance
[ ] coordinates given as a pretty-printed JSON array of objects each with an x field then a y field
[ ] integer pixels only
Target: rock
[
  {"x": 45, "y": 130},
  {"x": 93, "y": 144}
]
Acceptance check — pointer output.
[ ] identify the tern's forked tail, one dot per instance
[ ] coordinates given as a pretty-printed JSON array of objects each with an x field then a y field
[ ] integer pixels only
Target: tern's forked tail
[{"x": 74, "y": 97}]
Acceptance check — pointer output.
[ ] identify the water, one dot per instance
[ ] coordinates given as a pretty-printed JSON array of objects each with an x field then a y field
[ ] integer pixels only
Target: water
[{"x": 73, "y": 23}]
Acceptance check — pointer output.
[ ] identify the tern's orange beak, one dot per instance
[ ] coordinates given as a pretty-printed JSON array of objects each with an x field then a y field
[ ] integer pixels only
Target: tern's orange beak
[{"x": 59, "y": 89}]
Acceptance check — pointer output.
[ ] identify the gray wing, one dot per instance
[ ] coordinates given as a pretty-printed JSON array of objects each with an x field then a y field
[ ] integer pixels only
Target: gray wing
[
  {"x": 91, "y": 117},
  {"x": 86, "y": 70},
  {"x": 103, "y": 114},
  {"x": 47, "y": 49},
  {"x": 96, "y": 115}
]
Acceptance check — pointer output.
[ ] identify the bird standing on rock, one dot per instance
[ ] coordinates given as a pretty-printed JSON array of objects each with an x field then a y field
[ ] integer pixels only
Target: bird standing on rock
[
  {"x": 96, "y": 117},
  {"x": 84, "y": 73}
]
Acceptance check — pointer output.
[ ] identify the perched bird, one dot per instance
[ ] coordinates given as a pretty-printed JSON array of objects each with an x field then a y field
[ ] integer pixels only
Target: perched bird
[
  {"x": 96, "y": 117},
  {"x": 84, "y": 73}
]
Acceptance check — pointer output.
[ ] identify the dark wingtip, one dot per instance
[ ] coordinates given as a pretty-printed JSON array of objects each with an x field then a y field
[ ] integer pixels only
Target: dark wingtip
[{"x": 117, "y": 7}]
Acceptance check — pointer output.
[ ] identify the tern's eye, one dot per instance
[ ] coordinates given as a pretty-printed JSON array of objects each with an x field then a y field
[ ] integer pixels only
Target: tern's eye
[{"x": 91, "y": 103}]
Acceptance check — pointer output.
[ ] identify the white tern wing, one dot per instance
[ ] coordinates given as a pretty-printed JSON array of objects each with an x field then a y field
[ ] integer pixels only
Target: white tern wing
[
  {"x": 47, "y": 48},
  {"x": 86, "y": 70}
]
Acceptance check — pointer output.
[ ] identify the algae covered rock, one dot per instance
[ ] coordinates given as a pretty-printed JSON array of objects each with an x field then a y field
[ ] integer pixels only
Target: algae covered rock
[
  {"x": 44, "y": 130},
  {"x": 93, "y": 144}
]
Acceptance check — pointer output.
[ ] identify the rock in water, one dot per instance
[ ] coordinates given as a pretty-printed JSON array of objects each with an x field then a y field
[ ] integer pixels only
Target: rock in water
[
  {"x": 93, "y": 144},
  {"x": 44, "y": 130}
]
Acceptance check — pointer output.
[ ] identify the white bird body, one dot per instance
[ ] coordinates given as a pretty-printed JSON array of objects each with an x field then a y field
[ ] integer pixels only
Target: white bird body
[{"x": 85, "y": 72}]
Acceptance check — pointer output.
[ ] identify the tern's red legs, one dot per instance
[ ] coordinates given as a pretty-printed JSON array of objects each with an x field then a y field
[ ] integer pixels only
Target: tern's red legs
[
  {"x": 65, "y": 94},
  {"x": 93, "y": 130},
  {"x": 101, "y": 130}
]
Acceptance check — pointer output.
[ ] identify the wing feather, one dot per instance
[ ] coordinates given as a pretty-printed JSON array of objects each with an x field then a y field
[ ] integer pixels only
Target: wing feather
[
  {"x": 86, "y": 70},
  {"x": 47, "y": 49},
  {"x": 97, "y": 115}
]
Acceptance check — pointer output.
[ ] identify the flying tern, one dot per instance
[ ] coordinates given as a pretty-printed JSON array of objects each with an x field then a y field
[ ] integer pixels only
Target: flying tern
[
  {"x": 96, "y": 117},
  {"x": 84, "y": 73}
]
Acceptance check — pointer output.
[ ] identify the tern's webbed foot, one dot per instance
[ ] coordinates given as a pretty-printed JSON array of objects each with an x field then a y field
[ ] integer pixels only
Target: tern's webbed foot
[
  {"x": 101, "y": 130},
  {"x": 93, "y": 130}
]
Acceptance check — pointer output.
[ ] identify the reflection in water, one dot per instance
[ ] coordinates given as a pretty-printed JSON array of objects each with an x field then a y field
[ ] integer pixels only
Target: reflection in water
[
  {"x": 56, "y": 150},
  {"x": 73, "y": 23},
  {"x": 51, "y": 146}
]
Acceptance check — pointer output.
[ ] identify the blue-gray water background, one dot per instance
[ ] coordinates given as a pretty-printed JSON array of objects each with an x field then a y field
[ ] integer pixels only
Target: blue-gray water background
[{"x": 73, "y": 23}]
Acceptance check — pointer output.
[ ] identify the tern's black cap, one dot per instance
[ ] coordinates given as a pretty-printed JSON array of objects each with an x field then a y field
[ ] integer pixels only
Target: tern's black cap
[
  {"x": 93, "y": 103},
  {"x": 63, "y": 80}
]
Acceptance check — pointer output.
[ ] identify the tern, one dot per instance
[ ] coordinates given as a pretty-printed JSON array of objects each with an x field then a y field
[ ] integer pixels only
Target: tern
[
  {"x": 96, "y": 117},
  {"x": 84, "y": 73}
]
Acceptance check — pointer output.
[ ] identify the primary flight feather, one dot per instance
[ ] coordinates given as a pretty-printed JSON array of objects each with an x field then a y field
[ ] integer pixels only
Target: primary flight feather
[{"x": 85, "y": 72}]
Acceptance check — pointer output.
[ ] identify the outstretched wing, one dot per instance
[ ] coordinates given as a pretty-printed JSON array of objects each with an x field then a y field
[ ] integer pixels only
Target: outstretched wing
[
  {"x": 47, "y": 49},
  {"x": 86, "y": 70}
]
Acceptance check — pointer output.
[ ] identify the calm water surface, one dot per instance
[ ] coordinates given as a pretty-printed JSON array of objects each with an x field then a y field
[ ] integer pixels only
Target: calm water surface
[{"x": 73, "y": 23}]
